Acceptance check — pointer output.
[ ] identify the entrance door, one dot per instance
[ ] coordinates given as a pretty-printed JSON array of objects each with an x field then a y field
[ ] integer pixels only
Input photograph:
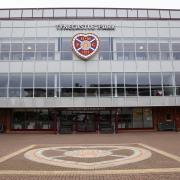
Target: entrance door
[{"x": 85, "y": 122}]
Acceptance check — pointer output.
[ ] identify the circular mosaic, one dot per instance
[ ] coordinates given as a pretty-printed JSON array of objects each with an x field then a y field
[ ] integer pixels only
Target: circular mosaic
[
  {"x": 88, "y": 157},
  {"x": 88, "y": 153}
]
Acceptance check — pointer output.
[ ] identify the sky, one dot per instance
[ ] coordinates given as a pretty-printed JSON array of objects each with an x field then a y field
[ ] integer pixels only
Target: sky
[{"x": 158, "y": 4}]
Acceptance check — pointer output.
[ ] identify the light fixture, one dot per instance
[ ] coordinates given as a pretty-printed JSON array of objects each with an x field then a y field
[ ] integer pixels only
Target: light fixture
[
  {"x": 29, "y": 48},
  {"x": 141, "y": 47}
]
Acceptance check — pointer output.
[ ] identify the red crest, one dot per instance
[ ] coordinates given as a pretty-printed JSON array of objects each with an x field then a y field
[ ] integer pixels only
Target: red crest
[{"x": 85, "y": 45}]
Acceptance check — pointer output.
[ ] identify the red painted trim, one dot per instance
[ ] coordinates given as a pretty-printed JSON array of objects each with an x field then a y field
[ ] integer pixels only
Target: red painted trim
[{"x": 32, "y": 129}]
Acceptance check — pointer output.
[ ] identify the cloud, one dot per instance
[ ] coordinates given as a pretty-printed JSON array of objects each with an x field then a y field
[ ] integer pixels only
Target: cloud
[{"x": 159, "y": 4}]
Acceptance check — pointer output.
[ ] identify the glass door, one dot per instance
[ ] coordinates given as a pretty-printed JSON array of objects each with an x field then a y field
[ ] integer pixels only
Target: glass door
[{"x": 85, "y": 122}]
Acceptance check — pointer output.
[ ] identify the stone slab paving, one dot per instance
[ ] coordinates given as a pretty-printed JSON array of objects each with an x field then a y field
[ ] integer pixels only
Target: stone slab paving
[
  {"x": 167, "y": 176},
  {"x": 154, "y": 155}
]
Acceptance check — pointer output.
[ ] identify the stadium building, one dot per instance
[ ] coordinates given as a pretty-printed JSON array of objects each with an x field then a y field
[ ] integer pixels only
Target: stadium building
[{"x": 70, "y": 70}]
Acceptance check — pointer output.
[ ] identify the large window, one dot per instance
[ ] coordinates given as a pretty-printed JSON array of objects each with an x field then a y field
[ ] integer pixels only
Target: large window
[
  {"x": 92, "y": 84},
  {"x": 66, "y": 85},
  {"x": 40, "y": 85},
  {"x": 114, "y": 84},
  {"x": 105, "y": 49},
  {"x": 32, "y": 119},
  {"x": 143, "y": 84},
  {"x": 176, "y": 50},
  {"x": 131, "y": 84},
  {"x": 66, "y": 48},
  {"x": 110, "y": 48},
  {"x": 130, "y": 118},
  {"x": 14, "y": 85},
  {"x": 156, "y": 84}
]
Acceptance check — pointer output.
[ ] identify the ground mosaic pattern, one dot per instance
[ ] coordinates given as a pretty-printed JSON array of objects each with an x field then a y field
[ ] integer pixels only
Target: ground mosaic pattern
[
  {"x": 88, "y": 157},
  {"x": 125, "y": 160}
]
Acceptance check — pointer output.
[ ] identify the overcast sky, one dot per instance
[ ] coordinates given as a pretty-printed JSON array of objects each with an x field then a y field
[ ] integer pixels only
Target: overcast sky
[{"x": 161, "y": 4}]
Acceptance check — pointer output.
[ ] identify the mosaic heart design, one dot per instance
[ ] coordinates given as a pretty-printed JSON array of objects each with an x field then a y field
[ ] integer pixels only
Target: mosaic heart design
[{"x": 85, "y": 45}]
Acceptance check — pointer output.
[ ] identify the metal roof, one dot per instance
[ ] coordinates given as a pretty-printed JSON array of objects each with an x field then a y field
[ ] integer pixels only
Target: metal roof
[{"x": 89, "y": 13}]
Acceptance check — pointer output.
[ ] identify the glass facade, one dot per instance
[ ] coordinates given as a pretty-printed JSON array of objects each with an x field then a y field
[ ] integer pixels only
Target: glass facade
[
  {"x": 31, "y": 119},
  {"x": 136, "y": 68},
  {"x": 89, "y": 84},
  {"x": 111, "y": 48},
  {"x": 135, "y": 118}
]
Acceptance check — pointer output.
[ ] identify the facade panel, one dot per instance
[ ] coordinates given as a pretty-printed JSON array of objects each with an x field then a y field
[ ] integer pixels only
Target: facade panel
[{"x": 124, "y": 62}]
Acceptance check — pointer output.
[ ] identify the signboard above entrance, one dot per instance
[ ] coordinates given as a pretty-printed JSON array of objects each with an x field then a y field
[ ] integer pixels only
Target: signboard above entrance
[{"x": 71, "y": 27}]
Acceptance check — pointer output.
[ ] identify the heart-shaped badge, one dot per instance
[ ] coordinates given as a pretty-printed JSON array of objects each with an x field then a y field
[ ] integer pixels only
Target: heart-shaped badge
[{"x": 85, "y": 45}]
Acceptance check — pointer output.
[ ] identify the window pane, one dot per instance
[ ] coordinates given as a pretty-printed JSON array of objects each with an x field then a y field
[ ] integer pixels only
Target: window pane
[
  {"x": 66, "y": 80},
  {"x": 51, "y": 47},
  {"x": 3, "y": 80},
  {"x": 28, "y": 56},
  {"x": 29, "y": 47},
  {"x": 52, "y": 92},
  {"x": 143, "y": 79},
  {"x": 92, "y": 92},
  {"x": 16, "y": 56},
  {"x": 53, "y": 80},
  {"x": 66, "y": 44},
  {"x": 169, "y": 91},
  {"x": 147, "y": 117},
  {"x": 141, "y": 55},
  {"x": 92, "y": 80},
  {"x": 130, "y": 80},
  {"x": 129, "y": 47},
  {"x": 176, "y": 55},
  {"x": 40, "y": 92},
  {"x": 155, "y": 79},
  {"x": 177, "y": 78},
  {"x": 40, "y": 81},
  {"x": 129, "y": 55},
  {"x": 5, "y": 47},
  {"x": 154, "y": 55},
  {"x": 167, "y": 79},
  {"x": 105, "y": 92},
  {"x": 27, "y": 92},
  {"x": 137, "y": 118},
  {"x": 3, "y": 92},
  {"x": 5, "y": 55},
  {"x": 27, "y": 80},
  {"x": 41, "y": 55},
  {"x": 104, "y": 44},
  {"x": 14, "y": 92},
  {"x": 66, "y": 55},
  {"x": 118, "y": 79},
  {"x": 14, "y": 80},
  {"x": 66, "y": 92},
  {"x": 104, "y": 55},
  {"x": 119, "y": 47},
  {"x": 153, "y": 46},
  {"x": 131, "y": 91},
  {"x": 41, "y": 47},
  {"x": 16, "y": 47},
  {"x": 141, "y": 46},
  {"x": 143, "y": 91},
  {"x": 164, "y": 46},
  {"x": 176, "y": 46},
  {"x": 118, "y": 92},
  {"x": 156, "y": 91},
  {"x": 78, "y": 92},
  {"x": 105, "y": 80},
  {"x": 79, "y": 80}
]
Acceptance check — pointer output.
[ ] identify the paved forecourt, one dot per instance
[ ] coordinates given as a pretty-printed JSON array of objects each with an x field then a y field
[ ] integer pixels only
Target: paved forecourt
[{"x": 139, "y": 155}]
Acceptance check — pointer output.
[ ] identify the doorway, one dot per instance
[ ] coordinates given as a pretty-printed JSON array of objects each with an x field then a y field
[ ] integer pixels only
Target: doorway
[{"x": 85, "y": 122}]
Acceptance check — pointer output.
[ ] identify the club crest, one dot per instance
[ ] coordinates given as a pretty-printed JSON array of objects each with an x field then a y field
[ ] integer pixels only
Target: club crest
[{"x": 85, "y": 45}]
